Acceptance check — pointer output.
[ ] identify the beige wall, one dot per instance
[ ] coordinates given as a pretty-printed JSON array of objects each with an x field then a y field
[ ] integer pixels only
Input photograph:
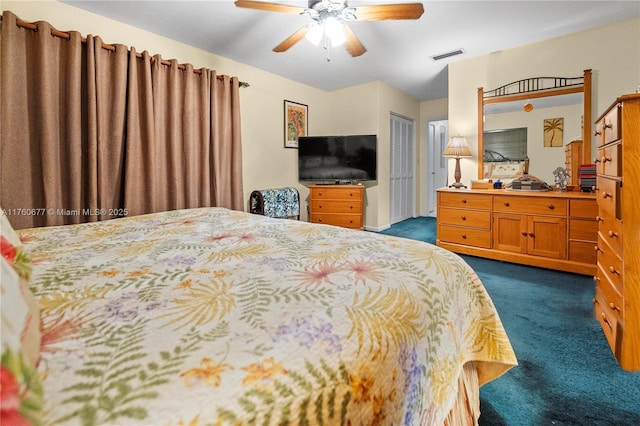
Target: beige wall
[
  {"x": 266, "y": 163},
  {"x": 612, "y": 52}
]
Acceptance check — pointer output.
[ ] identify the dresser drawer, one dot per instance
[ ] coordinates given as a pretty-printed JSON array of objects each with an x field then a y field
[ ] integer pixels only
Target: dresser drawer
[
  {"x": 608, "y": 128},
  {"x": 344, "y": 220},
  {"x": 336, "y": 193},
  {"x": 611, "y": 230},
  {"x": 609, "y": 160},
  {"x": 464, "y": 200},
  {"x": 608, "y": 322},
  {"x": 336, "y": 206},
  {"x": 608, "y": 191},
  {"x": 583, "y": 252},
  {"x": 610, "y": 263},
  {"x": 530, "y": 205},
  {"x": 466, "y": 236},
  {"x": 612, "y": 298},
  {"x": 464, "y": 217},
  {"x": 583, "y": 229},
  {"x": 587, "y": 209}
]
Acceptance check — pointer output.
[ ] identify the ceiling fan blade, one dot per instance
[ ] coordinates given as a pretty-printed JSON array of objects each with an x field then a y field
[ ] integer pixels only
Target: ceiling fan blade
[
  {"x": 389, "y": 11},
  {"x": 352, "y": 44},
  {"x": 270, "y": 7},
  {"x": 292, "y": 39}
]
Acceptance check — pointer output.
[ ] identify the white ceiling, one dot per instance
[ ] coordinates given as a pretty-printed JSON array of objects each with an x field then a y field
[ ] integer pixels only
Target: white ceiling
[{"x": 398, "y": 52}]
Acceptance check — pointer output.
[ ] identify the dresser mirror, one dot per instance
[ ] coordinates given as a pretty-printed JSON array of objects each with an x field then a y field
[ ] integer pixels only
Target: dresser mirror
[{"x": 533, "y": 118}]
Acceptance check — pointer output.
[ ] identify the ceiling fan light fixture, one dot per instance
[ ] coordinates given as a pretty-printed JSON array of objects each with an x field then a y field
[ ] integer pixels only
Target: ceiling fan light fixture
[
  {"x": 315, "y": 34},
  {"x": 334, "y": 29}
]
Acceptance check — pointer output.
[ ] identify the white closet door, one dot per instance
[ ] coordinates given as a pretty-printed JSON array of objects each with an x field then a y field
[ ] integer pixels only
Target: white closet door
[{"x": 402, "y": 197}]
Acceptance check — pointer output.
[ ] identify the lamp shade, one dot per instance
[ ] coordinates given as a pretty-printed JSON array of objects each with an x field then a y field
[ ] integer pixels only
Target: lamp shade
[{"x": 457, "y": 147}]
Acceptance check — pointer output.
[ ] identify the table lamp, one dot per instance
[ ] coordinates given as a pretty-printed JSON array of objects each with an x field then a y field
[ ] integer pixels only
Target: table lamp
[{"x": 457, "y": 148}]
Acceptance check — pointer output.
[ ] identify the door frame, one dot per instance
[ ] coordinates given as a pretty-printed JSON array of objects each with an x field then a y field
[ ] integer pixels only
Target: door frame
[{"x": 429, "y": 181}]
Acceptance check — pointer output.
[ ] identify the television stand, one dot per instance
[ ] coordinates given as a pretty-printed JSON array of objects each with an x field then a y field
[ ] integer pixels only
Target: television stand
[{"x": 339, "y": 205}]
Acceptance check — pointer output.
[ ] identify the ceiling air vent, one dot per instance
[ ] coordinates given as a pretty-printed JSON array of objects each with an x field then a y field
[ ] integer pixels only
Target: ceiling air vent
[{"x": 448, "y": 54}]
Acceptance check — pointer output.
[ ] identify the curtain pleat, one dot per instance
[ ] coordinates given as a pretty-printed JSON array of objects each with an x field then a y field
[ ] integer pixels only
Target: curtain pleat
[
  {"x": 226, "y": 158},
  {"x": 17, "y": 152},
  {"x": 140, "y": 193},
  {"x": 106, "y": 118},
  {"x": 167, "y": 108},
  {"x": 90, "y": 134},
  {"x": 41, "y": 152}
]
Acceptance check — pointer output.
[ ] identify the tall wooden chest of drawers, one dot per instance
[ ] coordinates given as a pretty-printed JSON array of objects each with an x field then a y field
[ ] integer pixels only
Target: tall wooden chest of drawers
[
  {"x": 340, "y": 205},
  {"x": 573, "y": 159},
  {"x": 617, "y": 298}
]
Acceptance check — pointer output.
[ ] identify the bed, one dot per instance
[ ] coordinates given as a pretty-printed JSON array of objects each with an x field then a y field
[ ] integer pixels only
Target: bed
[{"x": 214, "y": 316}]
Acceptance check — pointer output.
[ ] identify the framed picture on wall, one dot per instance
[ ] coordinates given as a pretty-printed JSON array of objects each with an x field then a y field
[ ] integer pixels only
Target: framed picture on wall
[
  {"x": 553, "y": 132},
  {"x": 296, "y": 123}
]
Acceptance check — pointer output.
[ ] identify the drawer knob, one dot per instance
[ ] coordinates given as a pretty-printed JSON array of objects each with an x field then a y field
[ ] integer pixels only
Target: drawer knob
[
  {"x": 613, "y": 234},
  {"x": 524, "y": 233},
  {"x": 463, "y": 217},
  {"x": 464, "y": 236},
  {"x": 606, "y": 159},
  {"x": 598, "y": 249},
  {"x": 596, "y": 279},
  {"x": 613, "y": 307},
  {"x": 599, "y": 219},
  {"x": 596, "y": 160},
  {"x": 608, "y": 126},
  {"x": 551, "y": 206},
  {"x": 464, "y": 201},
  {"x": 597, "y": 133},
  {"x": 594, "y": 188},
  {"x": 506, "y": 204},
  {"x": 614, "y": 270},
  {"x": 606, "y": 195},
  {"x": 532, "y": 235},
  {"x": 351, "y": 207}
]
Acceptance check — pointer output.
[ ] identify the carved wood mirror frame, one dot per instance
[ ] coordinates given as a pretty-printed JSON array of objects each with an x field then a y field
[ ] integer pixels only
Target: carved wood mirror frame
[{"x": 538, "y": 87}]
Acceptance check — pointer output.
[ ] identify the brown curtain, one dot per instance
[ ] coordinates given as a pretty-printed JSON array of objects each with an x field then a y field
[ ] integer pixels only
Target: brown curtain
[{"x": 90, "y": 133}]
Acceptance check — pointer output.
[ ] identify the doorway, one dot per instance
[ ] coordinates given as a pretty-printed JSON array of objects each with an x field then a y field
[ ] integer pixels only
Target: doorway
[
  {"x": 402, "y": 196},
  {"x": 437, "y": 166}
]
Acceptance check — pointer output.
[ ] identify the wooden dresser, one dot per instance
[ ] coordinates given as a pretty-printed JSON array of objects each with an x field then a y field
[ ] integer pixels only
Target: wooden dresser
[
  {"x": 340, "y": 205},
  {"x": 556, "y": 230},
  {"x": 573, "y": 159},
  {"x": 617, "y": 299}
]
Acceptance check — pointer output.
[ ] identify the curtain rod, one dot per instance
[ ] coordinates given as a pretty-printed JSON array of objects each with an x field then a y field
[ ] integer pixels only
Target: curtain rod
[{"x": 110, "y": 47}]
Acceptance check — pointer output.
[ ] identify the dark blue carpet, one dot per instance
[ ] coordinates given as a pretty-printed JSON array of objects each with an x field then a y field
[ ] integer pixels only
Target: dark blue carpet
[
  {"x": 566, "y": 373},
  {"x": 420, "y": 228}
]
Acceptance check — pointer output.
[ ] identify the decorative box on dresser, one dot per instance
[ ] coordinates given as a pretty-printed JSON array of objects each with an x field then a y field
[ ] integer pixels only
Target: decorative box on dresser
[
  {"x": 617, "y": 299},
  {"x": 340, "y": 205},
  {"x": 555, "y": 230}
]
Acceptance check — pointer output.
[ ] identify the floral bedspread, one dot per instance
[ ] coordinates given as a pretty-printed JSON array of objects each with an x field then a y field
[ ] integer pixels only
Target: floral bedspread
[{"x": 219, "y": 317}]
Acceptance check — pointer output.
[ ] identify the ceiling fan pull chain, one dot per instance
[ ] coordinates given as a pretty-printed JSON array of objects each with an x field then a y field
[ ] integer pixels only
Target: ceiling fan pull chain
[{"x": 327, "y": 46}]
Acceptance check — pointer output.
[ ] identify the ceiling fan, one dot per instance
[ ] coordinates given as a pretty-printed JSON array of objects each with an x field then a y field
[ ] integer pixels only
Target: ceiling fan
[{"x": 329, "y": 20}]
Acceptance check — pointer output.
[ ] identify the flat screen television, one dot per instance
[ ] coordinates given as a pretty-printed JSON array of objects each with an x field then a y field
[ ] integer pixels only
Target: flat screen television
[{"x": 337, "y": 159}]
